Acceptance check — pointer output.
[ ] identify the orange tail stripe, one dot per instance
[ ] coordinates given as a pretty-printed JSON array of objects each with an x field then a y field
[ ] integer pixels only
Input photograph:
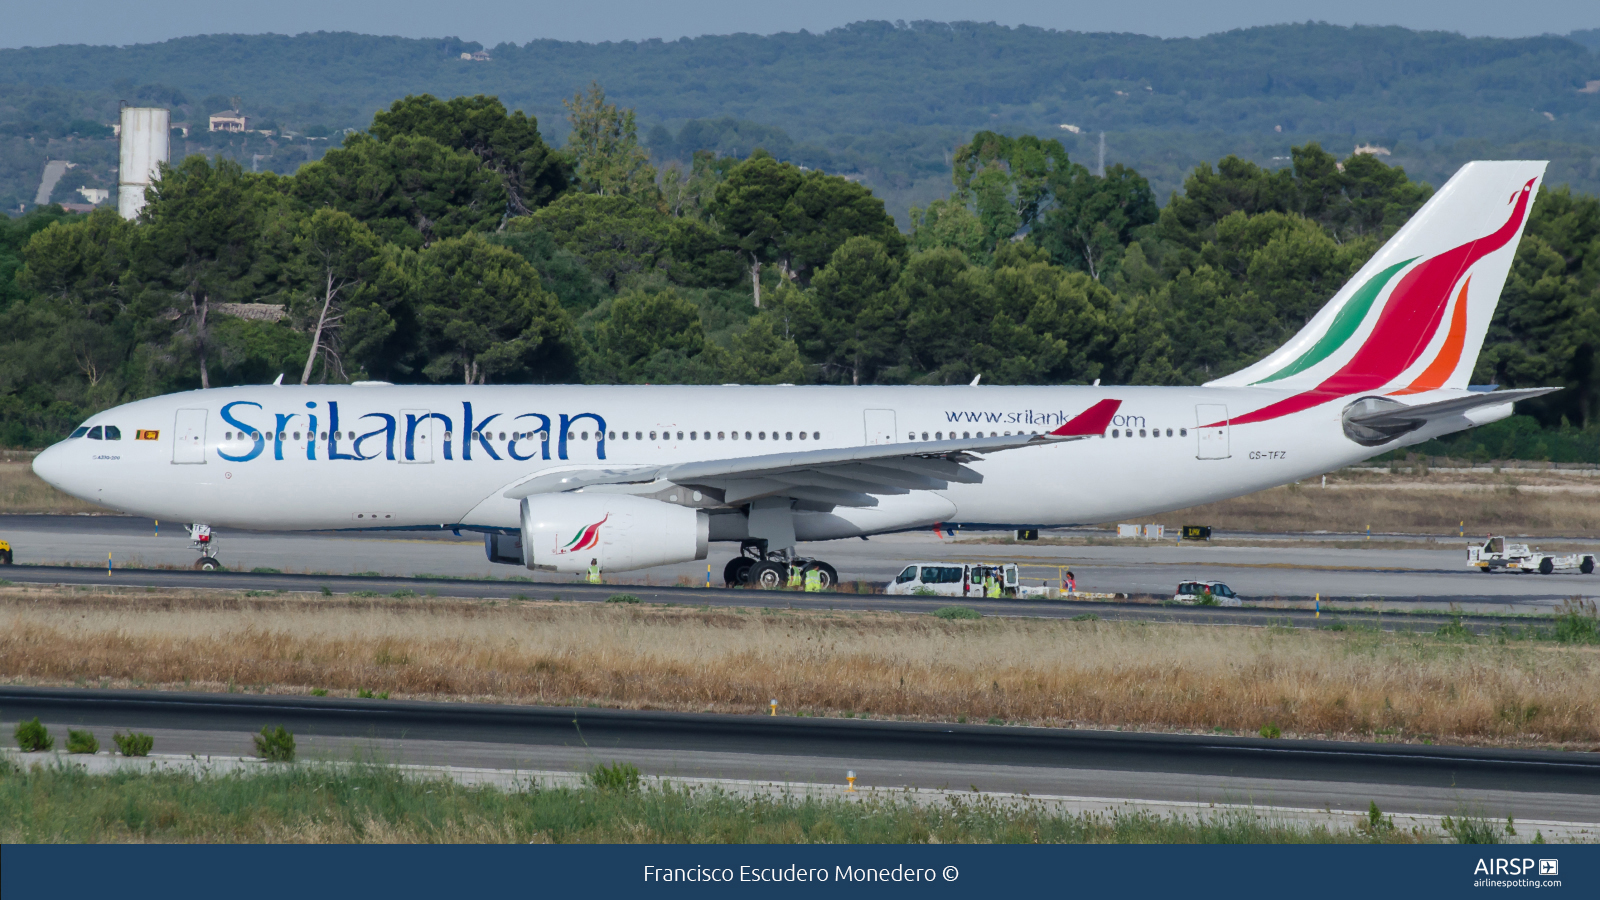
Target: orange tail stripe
[{"x": 1438, "y": 372}]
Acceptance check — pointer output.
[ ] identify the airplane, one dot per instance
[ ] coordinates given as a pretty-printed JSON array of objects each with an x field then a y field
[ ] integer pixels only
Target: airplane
[{"x": 562, "y": 477}]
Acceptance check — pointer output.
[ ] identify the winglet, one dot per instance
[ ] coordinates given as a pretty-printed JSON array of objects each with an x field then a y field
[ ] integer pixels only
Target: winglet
[{"x": 1094, "y": 420}]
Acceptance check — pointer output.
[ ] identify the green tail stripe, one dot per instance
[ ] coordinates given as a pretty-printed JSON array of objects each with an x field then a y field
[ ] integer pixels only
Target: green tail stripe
[
  {"x": 576, "y": 537},
  {"x": 1344, "y": 324}
]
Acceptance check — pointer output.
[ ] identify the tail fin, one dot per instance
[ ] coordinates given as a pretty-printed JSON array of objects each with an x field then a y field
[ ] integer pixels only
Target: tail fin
[{"x": 1414, "y": 318}]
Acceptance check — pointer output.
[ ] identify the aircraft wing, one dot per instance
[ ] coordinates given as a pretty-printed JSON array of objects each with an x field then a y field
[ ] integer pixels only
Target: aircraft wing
[{"x": 840, "y": 476}]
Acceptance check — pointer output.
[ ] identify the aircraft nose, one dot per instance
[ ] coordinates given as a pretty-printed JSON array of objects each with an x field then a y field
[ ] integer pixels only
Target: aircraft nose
[{"x": 53, "y": 467}]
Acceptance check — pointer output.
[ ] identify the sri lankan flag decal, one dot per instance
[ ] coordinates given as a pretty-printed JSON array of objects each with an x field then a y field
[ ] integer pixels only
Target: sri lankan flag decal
[{"x": 147, "y": 434}]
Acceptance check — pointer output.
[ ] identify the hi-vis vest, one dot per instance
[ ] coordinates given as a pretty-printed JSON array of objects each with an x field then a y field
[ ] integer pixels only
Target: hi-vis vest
[
  {"x": 813, "y": 580},
  {"x": 594, "y": 574}
]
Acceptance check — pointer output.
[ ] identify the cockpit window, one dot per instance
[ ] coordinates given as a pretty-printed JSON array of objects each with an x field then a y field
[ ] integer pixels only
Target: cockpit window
[
  {"x": 80, "y": 432},
  {"x": 113, "y": 433},
  {"x": 94, "y": 434}
]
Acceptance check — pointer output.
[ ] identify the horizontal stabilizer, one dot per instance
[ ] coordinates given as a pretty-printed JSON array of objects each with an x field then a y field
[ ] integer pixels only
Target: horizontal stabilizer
[{"x": 1398, "y": 414}]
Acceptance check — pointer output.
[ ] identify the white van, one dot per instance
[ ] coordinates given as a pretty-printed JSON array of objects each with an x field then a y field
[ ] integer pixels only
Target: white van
[{"x": 953, "y": 579}]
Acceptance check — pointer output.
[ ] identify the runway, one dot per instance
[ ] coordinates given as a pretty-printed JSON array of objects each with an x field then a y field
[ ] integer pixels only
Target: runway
[
  {"x": 1328, "y": 775},
  {"x": 1416, "y": 574}
]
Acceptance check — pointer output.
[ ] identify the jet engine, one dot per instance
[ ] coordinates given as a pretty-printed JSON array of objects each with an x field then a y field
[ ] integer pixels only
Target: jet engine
[{"x": 562, "y": 532}]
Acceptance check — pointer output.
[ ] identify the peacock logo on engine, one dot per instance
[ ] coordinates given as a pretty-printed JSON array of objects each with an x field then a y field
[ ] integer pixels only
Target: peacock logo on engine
[{"x": 587, "y": 538}]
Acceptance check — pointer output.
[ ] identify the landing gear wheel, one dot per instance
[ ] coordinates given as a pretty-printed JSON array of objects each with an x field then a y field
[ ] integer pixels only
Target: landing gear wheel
[
  {"x": 1586, "y": 567},
  {"x": 826, "y": 574},
  {"x": 1546, "y": 566},
  {"x": 769, "y": 576},
  {"x": 737, "y": 572},
  {"x": 5, "y": 558},
  {"x": 207, "y": 564}
]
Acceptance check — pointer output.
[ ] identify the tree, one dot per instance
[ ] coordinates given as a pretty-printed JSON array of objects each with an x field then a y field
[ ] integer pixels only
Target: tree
[
  {"x": 77, "y": 268},
  {"x": 823, "y": 213},
  {"x": 336, "y": 258},
  {"x": 761, "y": 355},
  {"x": 604, "y": 142},
  {"x": 859, "y": 312},
  {"x": 750, "y": 205},
  {"x": 196, "y": 244},
  {"x": 948, "y": 223},
  {"x": 1092, "y": 219},
  {"x": 484, "y": 315},
  {"x": 409, "y": 189},
  {"x": 1007, "y": 181},
  {"x": 652, "y": 336},
  {"x": 949, "y": 306},
  {"x": 506, "y": 144}
]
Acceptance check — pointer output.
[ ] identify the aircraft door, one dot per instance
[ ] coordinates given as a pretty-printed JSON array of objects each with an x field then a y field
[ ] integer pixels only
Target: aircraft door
[
  {"x": 879, "y": 426},
  {"x": 419, "y": 435},
  {"x": 1213, "y": 440},
  {"x": 189, "y": 437}
]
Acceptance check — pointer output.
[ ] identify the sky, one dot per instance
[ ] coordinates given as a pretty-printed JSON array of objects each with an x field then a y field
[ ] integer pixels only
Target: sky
[{"x": 31, "y": 23}]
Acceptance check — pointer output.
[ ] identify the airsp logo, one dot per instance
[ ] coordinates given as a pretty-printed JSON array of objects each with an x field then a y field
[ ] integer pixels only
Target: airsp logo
[{"x": 1515, "y": 867}]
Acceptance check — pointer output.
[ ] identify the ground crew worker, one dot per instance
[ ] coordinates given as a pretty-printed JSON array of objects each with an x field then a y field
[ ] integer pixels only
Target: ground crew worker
[
  {"x": 1072, "y": 581},
  {"x": 813, "y": 580},
  {"x": 594, "y": 571},
  {"x": 991, "y": 585},
  {"x": 794, "y": 577}
]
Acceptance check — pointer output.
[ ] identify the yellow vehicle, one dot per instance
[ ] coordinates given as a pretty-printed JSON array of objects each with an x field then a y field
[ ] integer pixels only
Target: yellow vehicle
[{"x": 5, "y": 554}]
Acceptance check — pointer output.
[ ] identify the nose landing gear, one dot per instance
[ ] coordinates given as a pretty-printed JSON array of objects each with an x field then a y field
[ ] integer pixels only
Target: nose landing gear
[{"x": 200, "y": 539}]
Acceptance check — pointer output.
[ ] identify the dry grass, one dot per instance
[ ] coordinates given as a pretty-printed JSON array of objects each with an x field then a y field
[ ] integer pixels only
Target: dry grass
[
  {"x": 21, "y": 491},
  {"x": 1421, "y": 509},
  {"x": 1339, "y": 684}
]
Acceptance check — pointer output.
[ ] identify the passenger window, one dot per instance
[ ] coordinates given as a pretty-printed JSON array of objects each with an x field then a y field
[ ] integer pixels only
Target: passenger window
[
  {"x": 1141, "y": 433},
  {"x": 95, "y": 434},
  {"x": 680, "y": 435},
  {"x": 78, "y": 432},
  {"x": 113, "y": 433},
  {"x": 747, "y": 435},
  {"x": 909, "y": 574},
  {"x": 652, "y": 435},
  {"x": 788, "y": 435},
  {"x": 802, "y": 435},
  {"x": 930, "y": 574},
  {"x": 924, "y": 435},
  {"x": 1183, "y": 432}
]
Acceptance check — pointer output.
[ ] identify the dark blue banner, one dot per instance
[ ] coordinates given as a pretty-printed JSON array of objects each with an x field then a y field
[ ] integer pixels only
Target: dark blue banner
[{"x": 344, "y": 872}]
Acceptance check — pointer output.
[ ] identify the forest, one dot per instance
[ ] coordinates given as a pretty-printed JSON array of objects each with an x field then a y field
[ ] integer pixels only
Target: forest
[
  {"x": 886, "y": 103},
  {"x": 450, "y": 241}
]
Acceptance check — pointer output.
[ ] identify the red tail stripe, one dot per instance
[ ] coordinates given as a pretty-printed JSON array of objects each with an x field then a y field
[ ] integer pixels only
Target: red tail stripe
[{"x": 1406, "y": 325}]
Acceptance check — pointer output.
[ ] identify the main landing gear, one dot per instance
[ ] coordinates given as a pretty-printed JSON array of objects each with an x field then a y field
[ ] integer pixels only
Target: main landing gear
[
  {"x": 771, "y": 570},
  {"x": 200, "y": 539}
]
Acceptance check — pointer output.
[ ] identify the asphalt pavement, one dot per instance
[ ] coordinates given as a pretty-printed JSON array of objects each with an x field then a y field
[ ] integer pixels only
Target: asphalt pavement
[{"x": 1156, "y": 767}]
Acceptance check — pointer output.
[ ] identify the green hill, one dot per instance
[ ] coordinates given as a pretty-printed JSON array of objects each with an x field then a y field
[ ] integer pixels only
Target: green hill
[{"x": 884, "y": 102}]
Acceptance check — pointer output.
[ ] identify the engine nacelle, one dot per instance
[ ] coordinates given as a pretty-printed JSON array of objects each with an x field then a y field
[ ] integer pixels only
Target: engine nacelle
[{"x": 562, "y": 532}]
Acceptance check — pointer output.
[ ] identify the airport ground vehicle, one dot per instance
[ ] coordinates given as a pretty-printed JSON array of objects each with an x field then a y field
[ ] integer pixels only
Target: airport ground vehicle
[
  {"x": 1197, "y": 591},
  {"x": 948, "y": 579},
  {"x": 5, "y": 554},
  {"x": 1497, "y": 554},
  {"x": 635, "y": 476}
]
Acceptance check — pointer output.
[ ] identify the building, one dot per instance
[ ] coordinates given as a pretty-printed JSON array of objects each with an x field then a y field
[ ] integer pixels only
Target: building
[
  {"x": 230, "y": 120},
  {"x": 95, "y": 196},
  {"x": 480, "y": 56}
]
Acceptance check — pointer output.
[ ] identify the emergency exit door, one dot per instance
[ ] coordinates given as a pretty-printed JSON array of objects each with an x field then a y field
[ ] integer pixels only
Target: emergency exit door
[
  {"x": 1211, "y": 430},
  {"x": 880, "y": 426},
  {"x": 189, "y": 437}
]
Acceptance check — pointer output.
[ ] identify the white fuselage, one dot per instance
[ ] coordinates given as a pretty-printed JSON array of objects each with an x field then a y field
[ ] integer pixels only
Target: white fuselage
[{"x": 342, "y": 460}]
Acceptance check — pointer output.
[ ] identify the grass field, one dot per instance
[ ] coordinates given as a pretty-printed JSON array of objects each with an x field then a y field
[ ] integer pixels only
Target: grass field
[
  {"x": 1340, "y": 684},
  {"x": 1405, "y": 507},
  {"x": 21, "y": 491},
  {"x": 371, "y": 804}
]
